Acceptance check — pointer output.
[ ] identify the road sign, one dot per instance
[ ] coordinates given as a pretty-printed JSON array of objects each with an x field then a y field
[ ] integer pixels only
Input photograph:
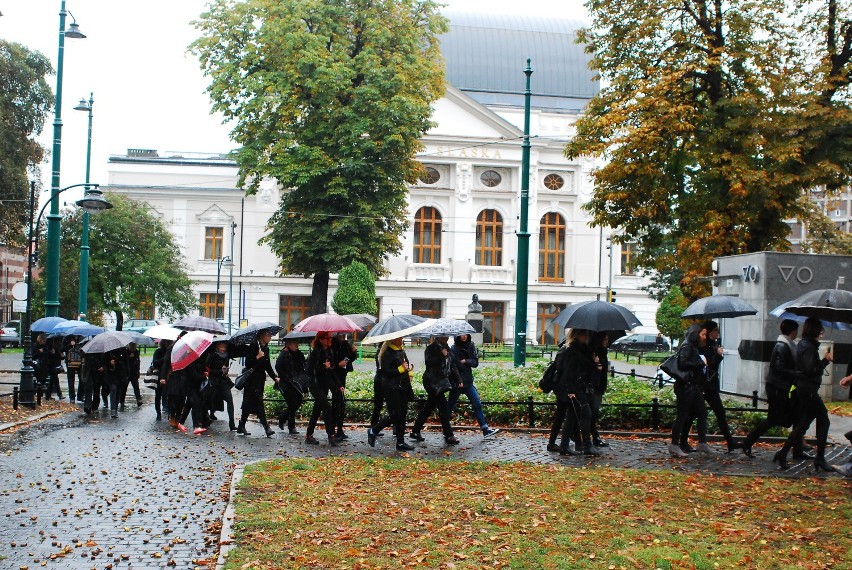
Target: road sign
[{"x": 19, "y": 291}]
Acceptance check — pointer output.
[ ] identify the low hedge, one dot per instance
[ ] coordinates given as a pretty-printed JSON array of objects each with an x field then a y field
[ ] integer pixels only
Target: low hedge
[{"x": 508, "y": 390}]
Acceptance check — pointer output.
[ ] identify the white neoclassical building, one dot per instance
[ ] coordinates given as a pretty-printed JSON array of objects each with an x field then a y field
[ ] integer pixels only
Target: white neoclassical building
[{"x": 464, "y": 215}]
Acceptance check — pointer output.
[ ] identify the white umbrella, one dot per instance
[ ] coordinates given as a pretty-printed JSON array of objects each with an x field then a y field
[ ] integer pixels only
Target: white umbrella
[
  {"x": 106, "y": 342},
  {"x": 397, "y": 326},
  {"x": 445, "y": 327},
  {"x": 167, "y": 332}
]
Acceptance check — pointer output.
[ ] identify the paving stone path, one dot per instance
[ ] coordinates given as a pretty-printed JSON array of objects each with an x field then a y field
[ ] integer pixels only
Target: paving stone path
[{"x": 133, "y": 493}]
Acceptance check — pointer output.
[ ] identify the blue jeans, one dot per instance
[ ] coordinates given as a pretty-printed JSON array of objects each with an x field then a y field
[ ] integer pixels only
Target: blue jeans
[{"x": 475, "y": 403}]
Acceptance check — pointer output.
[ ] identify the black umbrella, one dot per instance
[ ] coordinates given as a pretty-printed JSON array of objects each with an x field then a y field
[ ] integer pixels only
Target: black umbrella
[
  {"x": 597, "y": 316},
  {"x": 299, "y": 336},
  {"x": 248, "y": 335},
  {"x": 106, "y": 342},
  {"x": 198, "y": 323},
  {"x": 824, "y": 304},
  {"x": 718, "y": 307}
]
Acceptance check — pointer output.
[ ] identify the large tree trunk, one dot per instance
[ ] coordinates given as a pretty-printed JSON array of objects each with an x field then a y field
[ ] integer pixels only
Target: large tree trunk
[
  {"x": 119, "y": 320},
  {"x": 319, "y": 293}
]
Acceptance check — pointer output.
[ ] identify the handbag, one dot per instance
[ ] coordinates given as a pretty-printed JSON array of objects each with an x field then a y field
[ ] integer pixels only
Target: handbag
[
  {"x": 436, "y": 384},
  {"x": 243, "y": 377},
  {"x": 670, "y": 366}
]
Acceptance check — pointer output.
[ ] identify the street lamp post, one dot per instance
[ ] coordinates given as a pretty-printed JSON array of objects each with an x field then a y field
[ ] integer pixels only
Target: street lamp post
[
  {"x": 93, "y": 201},
  {"x": 523, "y": 235},
  {"x": 219, "y": 263},
  {"x": 83, "y": 299},
  {"x": 51, "y": 303}
]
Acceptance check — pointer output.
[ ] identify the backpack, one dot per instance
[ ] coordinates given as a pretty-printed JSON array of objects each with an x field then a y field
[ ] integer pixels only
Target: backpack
[{"x": 551, "y": 373}]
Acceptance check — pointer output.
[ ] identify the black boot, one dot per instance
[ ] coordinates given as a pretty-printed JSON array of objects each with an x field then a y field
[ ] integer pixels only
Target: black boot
[{"x": 781, "y": 459}]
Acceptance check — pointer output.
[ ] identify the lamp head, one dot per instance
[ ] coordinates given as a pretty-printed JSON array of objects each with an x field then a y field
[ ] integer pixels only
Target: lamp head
[
  {"x": 73, "y": 31},
  {"x": 82, "y": 105},
  {"x": 93, "y": 200}
]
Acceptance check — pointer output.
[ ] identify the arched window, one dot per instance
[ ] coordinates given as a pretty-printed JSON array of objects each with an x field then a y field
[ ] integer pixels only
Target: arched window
[
  {"x": 489, "y": 238},
  {"x": 551, "y": 248},
  {"x": 427, "y": 235}
]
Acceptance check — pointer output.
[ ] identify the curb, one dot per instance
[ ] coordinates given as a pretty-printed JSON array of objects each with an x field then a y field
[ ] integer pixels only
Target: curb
[
  {"x": 31, "y": 419},
  {"x": 226, "y": 537}
]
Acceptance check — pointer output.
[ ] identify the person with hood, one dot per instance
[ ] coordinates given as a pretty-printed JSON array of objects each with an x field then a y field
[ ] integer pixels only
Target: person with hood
[
  {"x": 320, "y": 367},
  {"x": 395, "y": 372},
  {"x": 257, "y": 360},
  {"x": 574, "y": 387},
  {"x": 466, "y": 359},
  {"x": 439, "y": 378},
  {"x": 809, "y": 371},
  {"x": 290, "y": 367},
  {"x": 689, "y": 390},
  {"x": 780, "y": 378}
]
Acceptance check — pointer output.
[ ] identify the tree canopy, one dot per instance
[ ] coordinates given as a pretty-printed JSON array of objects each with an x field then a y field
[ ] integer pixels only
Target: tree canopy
[
  {"x": 356, "y": 291},
  {"x": 714, "y": 118},
  {"x": 668, "y": 314},
  {"x": 25, "y": 101},
  {"x": 330, "y": 99},
  {"x": 134, "y": 263}
]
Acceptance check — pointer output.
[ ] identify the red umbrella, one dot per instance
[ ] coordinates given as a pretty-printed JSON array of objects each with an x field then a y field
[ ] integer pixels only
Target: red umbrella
[
  {"x": 189, "y": 348},
  {"x": 327, "y": 322}
]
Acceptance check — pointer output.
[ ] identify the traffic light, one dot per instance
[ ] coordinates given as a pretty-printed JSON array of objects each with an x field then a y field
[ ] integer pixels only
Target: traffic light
[{"x": 611, "y": 296}]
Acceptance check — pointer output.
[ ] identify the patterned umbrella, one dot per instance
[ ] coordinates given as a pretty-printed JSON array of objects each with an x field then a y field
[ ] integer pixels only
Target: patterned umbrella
[
  {"x": 46, "y": 324},
  {"x": 362, "y": 319},
  {"x": 198, "y": 323},
  {"x": 824, "y": 304},
  {"x": 189, "y": 348},
  {"x": 167, "y": 332},
  {"x": 718, "y": 307},
  {"x": 106, "y": 342},
  {"x": 248, "y": 335},
  {"x": 397, "y": 326},
  {"x": 597, "y": 316},
  {"x": 446, "y": 327},
  {"x": 79, "y": 328},
  {"x": 327, "y": 322}
]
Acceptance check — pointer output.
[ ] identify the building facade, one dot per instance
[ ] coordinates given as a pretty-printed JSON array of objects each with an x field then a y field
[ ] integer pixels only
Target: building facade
[{"x": 464, "y": 214}]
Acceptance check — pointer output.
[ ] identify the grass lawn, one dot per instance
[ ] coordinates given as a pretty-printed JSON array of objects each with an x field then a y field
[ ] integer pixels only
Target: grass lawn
[
  {"x": 843, "y": 408},
  {"x": 394, "y": 513}
]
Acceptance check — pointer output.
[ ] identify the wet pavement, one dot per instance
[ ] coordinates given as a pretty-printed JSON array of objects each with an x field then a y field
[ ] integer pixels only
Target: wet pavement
[{"x": 134, "y": 493}]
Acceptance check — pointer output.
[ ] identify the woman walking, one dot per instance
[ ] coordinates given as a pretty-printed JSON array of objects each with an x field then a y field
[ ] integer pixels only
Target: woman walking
[
  {"x": 395, "y": 372},
  {"x": 257, "y": 359},
  {"x": 161, "y": 401},
  {"x": 689, "y": 391},
  {"x": 809, "y": 368},
  {"x": 574, "y": 388},
  {"x": 466, "y": 359},
  {"x": 320, "y": 368},
  {"x": 290, "y": 367},
  {"x": 439, "y": 378},
  {"x": 218, "y": 363},
  {"x": 600, "y": 348}
]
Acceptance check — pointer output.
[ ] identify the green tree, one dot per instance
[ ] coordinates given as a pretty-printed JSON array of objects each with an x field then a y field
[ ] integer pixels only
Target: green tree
[
  {"x": 330, "y": 99},
  {"x": 134, "y": 263},
  {"x": 25, "y": 101},
  {"x": 668, "y": 314},
  {"x": 712, "y": 123},
  {"x": 356, "y": 291}
]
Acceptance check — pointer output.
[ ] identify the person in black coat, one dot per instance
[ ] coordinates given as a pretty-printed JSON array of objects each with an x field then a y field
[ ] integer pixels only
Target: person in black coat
[
  {"x": 809, "y": 368},
  {"x": 290, "y": 367},
  {"x": 599, "y": 344},
  {"x": 133, "y": 362},
  {"x": 439, "y": 378},
  {"x": 158, "y": 364},
  {"x": 395, "y": 371},
  {"x": 345, "y": 354},
  {"x": 320, "y": 367},
  {"x": 466, "y": 358},
  {"x": 54, "y": 367},
  {"x": 689, "y": 391},
  {"x": 73, "y": 360},
  {"x": 257, "y": 359},
  {"x": 218, "y": 363},
  {"x": 780, "y": 378},
  {"x": 115, "y": 374},
  {"x": 173, "y": 382},
  {"x": 574, "y": 387}
]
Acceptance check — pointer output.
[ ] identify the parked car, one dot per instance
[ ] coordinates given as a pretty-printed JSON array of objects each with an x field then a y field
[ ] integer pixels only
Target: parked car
[
  {"x": 234, "y": 326},
  {"x": 639, "y": 342},
  {"x": 138, "y": 325},
  {"x": 10, "y": 334}
]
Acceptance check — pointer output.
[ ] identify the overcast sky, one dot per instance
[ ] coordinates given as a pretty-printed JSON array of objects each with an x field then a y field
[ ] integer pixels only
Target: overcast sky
[{"x": 148, "y": 92}]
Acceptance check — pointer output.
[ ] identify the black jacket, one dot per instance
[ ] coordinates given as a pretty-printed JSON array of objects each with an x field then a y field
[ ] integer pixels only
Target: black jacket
[
  {"x": 441, "y": 374},
  {"x": 714, "y": 360},
  {"x": 465, "y": 351},
  {"x": 394, "y": 377},
  {"x": 576, "y": 372},
  {"x": 689, "y": 360},
  {"x": 260, "y": 367},
  {"x": 782, "y": 367},
  {"x": 289, "y": 363},
  {"x": 809, "y": 366},
  {"x": 324, "y": 378}
]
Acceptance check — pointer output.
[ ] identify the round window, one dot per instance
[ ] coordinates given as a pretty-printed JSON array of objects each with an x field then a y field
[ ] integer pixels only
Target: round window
[
  {"x": 553, "y": 182},
  {"x": 432, "y": 176},
  {"x": 490, "y": 178}
]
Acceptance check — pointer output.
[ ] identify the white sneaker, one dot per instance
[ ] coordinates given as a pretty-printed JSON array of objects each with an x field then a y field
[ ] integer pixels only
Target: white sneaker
[{"x": 489, "y": 431}]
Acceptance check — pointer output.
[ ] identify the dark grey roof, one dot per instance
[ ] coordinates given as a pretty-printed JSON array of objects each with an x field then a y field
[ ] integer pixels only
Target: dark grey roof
[{"x": 486, "y": 55}]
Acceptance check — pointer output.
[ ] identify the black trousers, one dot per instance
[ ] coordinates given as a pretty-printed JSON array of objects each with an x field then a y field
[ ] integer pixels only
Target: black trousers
[
  {"x": 714, "y": 400},
  {"x": 378, "y": 400},
  {"x": 123, "y": 393},
  {"x": 558, "y": 420},
  {"x": 690, "y": 404},
  {"x": 397, "y": 403},
  {"x": 433, "y": 402},
  {"x": 293, "y": 399},
  {"x": 338, "y": 408},
  {"x": 780, "y": 412},
  {"x": 578, "y": 417},
  {"x": 71, "y": 375},
  {"x": 321, "y": 408},
  {"x": 811, "y": 407}
]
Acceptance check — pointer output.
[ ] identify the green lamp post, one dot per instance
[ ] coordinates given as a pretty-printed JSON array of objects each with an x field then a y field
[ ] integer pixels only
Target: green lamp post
[
  {"x": 83, "y": 300},
  {"x": 51, "y": 303},
  {"x": 522, "y": 279}
]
